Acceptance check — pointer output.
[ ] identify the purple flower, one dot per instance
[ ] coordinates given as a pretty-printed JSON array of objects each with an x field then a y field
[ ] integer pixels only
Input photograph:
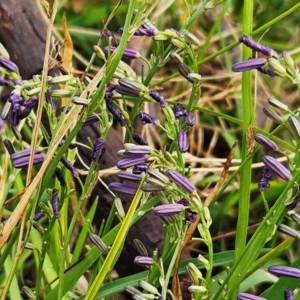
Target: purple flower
[
  {"x": 38, "y": 216},
  {"x": 179, "y": 111},
  {"x": 28, "y": 107},
  {"x": 129, "y": 176},
  {"x": 168, "y": 209},
  {"x": 138, "y": 150},
  {"x": 90, "y": 120},
  {"x": 69, "y": 166},
  {"x": 5, "y": 82},
  {"x": 276, "y": 167},
  {"x": 249, "y": 64},
  {"x": 246, "y": 296},
  {"x": 151, "y": 188},
  {"x": 191, "y": 216},
  {"x": 8, "y": 64},
  {"x": 140, "y": 168},
  {"x": 185, "y": 71},
  {"x": 123, "y": 188},
  {"x": 127, "y": 54},
  {"x": 98, "y": 150},
  {"x": 122, "y": 90},
  {"x": 55, "y": 200},
  {"x": 106, "y": 34},
  {"x": 140, "y": 247},
  {"x": 294, "y": 203},
  {"x": 127, "y": 162},
  {"x": 99, "y": 243},
  {"x": 147, "y": 119},
  {"x": 9, "y": 147},
  {"x": 266, "y": 142},
  {"x": 266, "y": 71},
  {"x": 109, "y": 92},
  {"x": 288, "y": 294},
  {"x": 116, "y": 113},
  {"x": 20, "y": 159},
  {"x": 60, "y": 176},
  {"x": 143, "y": 261},
  {"x": 284, "y": 271},
  {"x": 138, "y": 139},
  {"x": 256, "y": 46},
  {"x": 183, "y": 142},
  {"x": 190, "y": 119},
  {"x": 142, "y": 31},
  {"x": 1, "y": 124},
  {"x": 180, "y": 180},
  {"x": 288, "y": 231},
  {"x": 295, "y": 125},
  {"x": 271, "y": 114},
  {"x": 264, "y": 179},
  {"x": 158, "y": 98}
]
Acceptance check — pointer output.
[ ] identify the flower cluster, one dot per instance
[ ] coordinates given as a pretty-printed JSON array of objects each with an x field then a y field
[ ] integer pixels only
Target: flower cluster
[{"x": 275, "y": 64}]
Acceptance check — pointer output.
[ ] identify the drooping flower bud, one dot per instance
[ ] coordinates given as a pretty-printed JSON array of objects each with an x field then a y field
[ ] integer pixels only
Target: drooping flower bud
[
  {"x": 249, "y": 64},
  {"x": 276, "y": 167},
  {"x": 284, "y": 271}
]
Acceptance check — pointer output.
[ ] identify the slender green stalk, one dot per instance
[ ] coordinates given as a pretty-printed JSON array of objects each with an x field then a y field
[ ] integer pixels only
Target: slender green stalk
[
  {"x": 116, "y": 247},
  {"x": 245, "y": 171}
]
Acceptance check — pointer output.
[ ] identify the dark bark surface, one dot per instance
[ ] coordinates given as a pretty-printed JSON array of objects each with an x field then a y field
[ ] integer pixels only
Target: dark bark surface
[{"x": 23, "y": 32}]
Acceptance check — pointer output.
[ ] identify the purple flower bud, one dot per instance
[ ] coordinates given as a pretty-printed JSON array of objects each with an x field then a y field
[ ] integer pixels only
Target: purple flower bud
[
  {"x": 138, "y": 150},
  {"x": 288, "y": 294},
  {"x": 38, "y": 216},
  {"x": 151, "y": 188},
  {"x": 190, "y": 119},
  {"x": 9, "y": 146},
  {"x": 29, "y": 105},
  {"x": 8, "y": 64},
  {"x": 183, "y": 142},
  {"x": 142, "y": 31},
  {"x": 98, "y": 150},
  {"x": 14, "y": 118},
  {"x": 288, "y": 231},
  {"x": 55, "y": 204},
  {"x": 140, "y": 247},
  {"x": 1, "y": 124},
  {"x": 266, "y": 71},
  {"x": 180, "y": 180},
  {"x": 123, "y": 188},
  {"x": 276, "y": 167},
  {"x": 249, "y": 64},
  {"x": 127, "y": 162},
  {"x": 140, "y": 168},
  {"x": 191, "y": 216},
  {"x": 185, "y": 71},
  {"x": 179, "y": 111},
  {"x": 5, "y": 82},
  {"x": 90, "y": 120},
  {"x": 127, "y": 54},
  {"x": 246, "y": 296},
  {"x": 264, "y": 179},
  {"x": 168, "y": 209},
  {"x": 294, "y": 203},
  {"x": 158, "y": 98},
  {"x": 138, "y": 139},
  {"x": 265, "y": 141},
  {"x": 295, "y": 125},
  {"x": 18, "y": 81},
  {"x": 20, "y": 159},
  {"x": 122, "y": 90},
  {"x": 272, "y": 115},
  {"x": 106, "y": 34},
  {"x": 256, "y": 46},
  {"x": 284, "y": 271},
  {"x": 98, "y": 242},
  {"x": 109, "y": 92},
  {"x": 129, "y": 176},
  {"x": 116, "y": 113},
  {"x": 147, "y": 119},
  {"x": 69, "y": 166},
  {"x": 60, "y": 176},
  {"x": 143, "y": 261}
]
